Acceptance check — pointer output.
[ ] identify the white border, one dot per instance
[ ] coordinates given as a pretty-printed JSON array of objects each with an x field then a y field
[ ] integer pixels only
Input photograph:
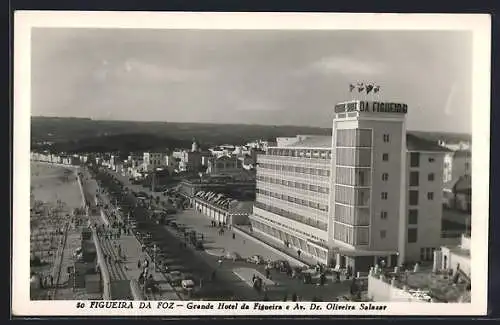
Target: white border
[{"x": 479, "y": 25}]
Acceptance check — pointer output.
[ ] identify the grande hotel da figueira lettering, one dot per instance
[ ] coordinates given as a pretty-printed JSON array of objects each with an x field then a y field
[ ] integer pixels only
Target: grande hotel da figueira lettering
[{"x": 371, "y": 107}]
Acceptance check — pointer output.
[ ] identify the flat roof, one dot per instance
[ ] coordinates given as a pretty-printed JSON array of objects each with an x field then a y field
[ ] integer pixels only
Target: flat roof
[{"x": 413, "y": 143}]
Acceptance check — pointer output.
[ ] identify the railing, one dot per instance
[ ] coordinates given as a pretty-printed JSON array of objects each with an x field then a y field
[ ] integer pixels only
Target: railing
[{"x": 305, "y": 160}]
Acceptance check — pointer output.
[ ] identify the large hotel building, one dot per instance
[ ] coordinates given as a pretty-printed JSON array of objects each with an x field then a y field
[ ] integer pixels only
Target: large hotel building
[{"x": 370, "y": 191}]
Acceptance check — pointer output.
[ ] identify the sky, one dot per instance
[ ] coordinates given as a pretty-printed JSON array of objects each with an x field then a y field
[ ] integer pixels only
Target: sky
[{"x": 273, "y": 77}]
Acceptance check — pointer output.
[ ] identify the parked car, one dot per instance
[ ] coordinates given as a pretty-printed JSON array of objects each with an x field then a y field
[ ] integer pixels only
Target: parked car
[
  {"x": 187, "y": 284},
  {"x": 199, "y": 245},
  {"x": 256, "y": 259}
]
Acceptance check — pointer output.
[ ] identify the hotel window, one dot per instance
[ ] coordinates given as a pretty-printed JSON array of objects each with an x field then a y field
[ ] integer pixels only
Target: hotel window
[
  {"x": 362, "y": 180},
  {"x": 362, "y": 236},
  {"x": 414, "y": 176},
  {"x": 430, "y": 177},
  {"x": 414, "y": 159},
  {"x": 430, "y": 196},
  {"x": 385, "y": 177},
  {"x": 383, "y": 215},
  {"x": 412, "y": 235},
  {"x": 384, "y": 195},
  {"x": 386, "y": 137},
  {"x": 413, "y": 217},
  {"x": 385, "y": 157},
  {"x": 383, "y": 233},
  {"x": 413, "y": 197}
]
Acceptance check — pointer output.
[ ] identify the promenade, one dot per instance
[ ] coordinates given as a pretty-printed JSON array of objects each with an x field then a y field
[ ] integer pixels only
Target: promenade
[{"x": 122, "y": 253}]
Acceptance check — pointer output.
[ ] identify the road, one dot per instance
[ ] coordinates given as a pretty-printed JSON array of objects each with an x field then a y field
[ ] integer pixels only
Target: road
[{"x": 202, "y": 263}]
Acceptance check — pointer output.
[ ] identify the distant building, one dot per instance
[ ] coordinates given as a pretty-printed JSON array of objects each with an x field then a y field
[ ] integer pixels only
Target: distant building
[
  {"x": 190, "y": 161},
  {"x": 457, "y": 164},
  {"x": 221, "y": 208},
  {"x": 224, "y": 165},
  {"x": 171, "y": 163},
  {"x": 457, "y": 194},
  {"x": 153, "y": 160},
  {"x": 368, "y": 192}
]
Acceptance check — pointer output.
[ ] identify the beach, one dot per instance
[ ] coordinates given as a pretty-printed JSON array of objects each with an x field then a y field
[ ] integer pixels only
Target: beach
[{"x": 55, "y": 195}]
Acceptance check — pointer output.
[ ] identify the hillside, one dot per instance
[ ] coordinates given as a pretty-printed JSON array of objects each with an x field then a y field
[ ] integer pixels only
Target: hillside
[
  {"x": 80, "y": 134},
  {"x": 69, "y": 129}
]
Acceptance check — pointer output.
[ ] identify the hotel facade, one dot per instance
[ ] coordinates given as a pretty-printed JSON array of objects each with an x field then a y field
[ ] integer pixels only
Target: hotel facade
[{"x": 368, "y": 192}]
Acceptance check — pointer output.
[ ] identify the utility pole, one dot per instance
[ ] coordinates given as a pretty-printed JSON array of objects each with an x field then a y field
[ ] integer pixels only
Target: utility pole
[{"x": 154, "y": 257}]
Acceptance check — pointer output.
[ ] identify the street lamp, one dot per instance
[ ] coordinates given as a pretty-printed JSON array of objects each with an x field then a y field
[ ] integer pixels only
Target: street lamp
[{"x": 154, "y": 256}]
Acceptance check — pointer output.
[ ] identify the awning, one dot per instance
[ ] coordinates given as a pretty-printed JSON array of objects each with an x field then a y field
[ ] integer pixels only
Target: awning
[{"x": 362, "y": 252}]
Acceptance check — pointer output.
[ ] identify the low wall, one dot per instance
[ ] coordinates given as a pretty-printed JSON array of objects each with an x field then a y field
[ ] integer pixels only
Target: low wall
[
  {"x": 80, "y": 185},
  {"x": 275, "y": 250},
  {"x": 136, "y": 291},
  {"x": 106, "y": 294},
  {"x": 380, "y": 290}
]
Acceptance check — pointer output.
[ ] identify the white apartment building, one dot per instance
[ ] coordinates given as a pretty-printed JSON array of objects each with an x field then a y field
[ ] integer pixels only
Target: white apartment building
[
  {"x": 153, "y": 160},
  {"x": 345, "y": 198},
  {"x": 457, "y": 164}
]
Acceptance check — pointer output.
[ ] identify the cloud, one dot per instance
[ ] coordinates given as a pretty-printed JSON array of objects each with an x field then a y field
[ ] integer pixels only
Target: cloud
[
  {"x": 348, "y": 66},
  {"x": 146, "y": 72}
]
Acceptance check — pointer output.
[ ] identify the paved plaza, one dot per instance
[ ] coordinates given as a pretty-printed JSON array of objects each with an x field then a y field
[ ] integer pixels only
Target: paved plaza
[{"x": 214, "y": 242}]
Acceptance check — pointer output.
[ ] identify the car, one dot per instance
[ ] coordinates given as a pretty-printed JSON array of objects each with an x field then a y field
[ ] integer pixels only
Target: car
[
  {"x": 199, "y": 245},
  {"x": 187, "y": 284},
  {"x": 256, "y": 259}
]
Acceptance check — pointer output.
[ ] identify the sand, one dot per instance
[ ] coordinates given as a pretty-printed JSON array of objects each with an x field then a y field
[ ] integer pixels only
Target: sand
[
  {"x": 58, "y": 191},
  {"x": 50, "y": 183}
]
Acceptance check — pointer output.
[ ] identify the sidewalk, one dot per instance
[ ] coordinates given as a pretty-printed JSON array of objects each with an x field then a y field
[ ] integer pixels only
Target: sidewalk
[
  {"x": 126, "y": 267},
  {"x": 291, "y": 252},
  {"x": 132, "y": 249},
  {"x": 215, "y": 243}
]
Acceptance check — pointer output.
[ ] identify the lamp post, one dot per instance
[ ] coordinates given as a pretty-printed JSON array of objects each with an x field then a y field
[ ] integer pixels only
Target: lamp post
[{"x": 154, "y": 256}]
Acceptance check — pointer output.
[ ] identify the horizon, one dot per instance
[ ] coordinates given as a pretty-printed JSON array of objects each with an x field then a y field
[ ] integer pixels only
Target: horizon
[{"x": 213, "y": 123}]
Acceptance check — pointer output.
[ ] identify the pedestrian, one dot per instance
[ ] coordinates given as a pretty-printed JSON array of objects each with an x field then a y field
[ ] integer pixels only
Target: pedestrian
[
  {"x": 139, "y": 264},
  {"x": 253, "y": 278},
  {"x": 202, "y": 237},
  {"x": 234, "y": 235}
]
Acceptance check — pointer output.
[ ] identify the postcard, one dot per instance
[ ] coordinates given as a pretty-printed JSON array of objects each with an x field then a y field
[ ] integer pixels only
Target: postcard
[{"x": 242, "y": 164}]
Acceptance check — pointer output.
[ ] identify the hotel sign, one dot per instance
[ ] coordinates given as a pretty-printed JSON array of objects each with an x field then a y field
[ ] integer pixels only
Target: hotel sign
[{"x": 371, "y": 107}]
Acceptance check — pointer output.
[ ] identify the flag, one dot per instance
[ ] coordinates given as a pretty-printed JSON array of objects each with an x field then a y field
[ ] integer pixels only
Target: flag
[
  {"x": 361, "y": 87},
  {"x": 369, "y": 88},
  {"x": 351, "y": 87},
  {"x": 376, "y": 89}
]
